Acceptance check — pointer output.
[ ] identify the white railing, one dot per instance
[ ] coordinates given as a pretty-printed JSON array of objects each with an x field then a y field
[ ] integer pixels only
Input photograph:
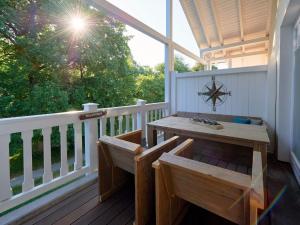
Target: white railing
[{"x": 116, "y": 121}]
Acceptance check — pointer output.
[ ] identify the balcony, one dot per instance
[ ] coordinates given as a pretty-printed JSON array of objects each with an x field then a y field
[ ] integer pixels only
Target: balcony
[{"x": 259, "y": 84}]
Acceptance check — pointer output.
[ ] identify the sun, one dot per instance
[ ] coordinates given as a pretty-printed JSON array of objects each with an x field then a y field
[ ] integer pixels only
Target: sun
[{"x": 78, "y": 24}]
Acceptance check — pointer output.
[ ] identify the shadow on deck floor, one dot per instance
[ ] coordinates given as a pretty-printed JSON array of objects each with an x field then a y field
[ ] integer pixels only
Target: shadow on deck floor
[{"x": 84, "y": 208}]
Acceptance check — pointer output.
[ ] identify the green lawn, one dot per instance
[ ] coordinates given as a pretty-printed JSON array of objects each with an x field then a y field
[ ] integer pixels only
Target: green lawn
[
  {"x": 16, "y": 161},
  {"x": 18, "y": 189}
]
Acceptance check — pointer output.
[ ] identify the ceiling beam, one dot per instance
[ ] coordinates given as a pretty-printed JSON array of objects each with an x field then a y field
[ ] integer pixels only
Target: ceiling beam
[
  {"x": 216, "y": 19},
  {"x": 186, "y": 52},
  {"x": 241, "y": 19},
  {"x": 195, "y": 33},
  {"x": 270, "y": 11},
  {"x": 237, "y": 44},
  {"x": 124, "y": 17},
  {"x": 239, "y": 55},
  {"x": 200, "y": 19}
]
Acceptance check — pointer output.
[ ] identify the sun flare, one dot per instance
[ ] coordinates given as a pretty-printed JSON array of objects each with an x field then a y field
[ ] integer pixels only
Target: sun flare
[{"x": 78, "y": 24}]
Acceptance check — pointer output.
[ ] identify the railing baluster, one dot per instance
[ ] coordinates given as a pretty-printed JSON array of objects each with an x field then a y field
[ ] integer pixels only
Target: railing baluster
[
  {"x": 127, "y": 123},
  {"x": 156, "y": 114},
  {"x": 48, "y": 175},
  {"x": 103, "y": 126},
  {"x": 120, "y": 124},
  {"x": 78, "y": 145},
  {"x": 164, "y": 112},
  {"x": 112, "y": 126},
  {"x": 63, "y": 150},
  {"x": 146, "y": 127},
  {"x": 5, "y": 189},
  {"x": 151, "y": 115},
  {"x": 27, "y": 160},
  {"x": 134, "y": 121}
]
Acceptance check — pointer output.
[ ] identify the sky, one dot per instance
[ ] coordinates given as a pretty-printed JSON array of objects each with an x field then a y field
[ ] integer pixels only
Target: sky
[{"x": 145, "y": 50}]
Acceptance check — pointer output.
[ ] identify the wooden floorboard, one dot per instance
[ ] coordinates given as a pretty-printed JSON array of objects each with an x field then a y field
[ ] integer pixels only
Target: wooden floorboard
[
  {"x": 102, "y": 208},
  {"x": 124, "y": 217},
  {"x": 84, "y": 208},
  {"x": 65, "y": 210},
  {"x": 115, "y": 211},
  {"x": 284, "y": 194},
  {"x": 64, "y": 203}
]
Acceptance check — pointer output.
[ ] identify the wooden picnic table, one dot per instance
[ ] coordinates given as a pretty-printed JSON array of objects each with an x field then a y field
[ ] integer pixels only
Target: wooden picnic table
[{"x": 253, "y": 136}]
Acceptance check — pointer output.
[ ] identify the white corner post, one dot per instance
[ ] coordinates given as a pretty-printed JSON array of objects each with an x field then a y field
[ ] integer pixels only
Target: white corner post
[
  {"x": 169, "y": 54},
  {"x": 5, "y": 189},
  {"x": 90, "y": 138},
  {"x": 141, "y": 118}
]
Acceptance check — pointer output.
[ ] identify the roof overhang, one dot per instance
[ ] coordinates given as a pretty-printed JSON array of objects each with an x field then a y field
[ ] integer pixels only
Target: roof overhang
[{"x": 225, "y": 28}]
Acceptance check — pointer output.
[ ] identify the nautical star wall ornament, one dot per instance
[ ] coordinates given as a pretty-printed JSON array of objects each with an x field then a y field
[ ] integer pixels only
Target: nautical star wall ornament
[{"x": 214, "y": 93}]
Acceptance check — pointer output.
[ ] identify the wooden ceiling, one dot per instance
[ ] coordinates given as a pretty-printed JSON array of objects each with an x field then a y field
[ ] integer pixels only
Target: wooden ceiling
[{"x": 230, "y": 28}]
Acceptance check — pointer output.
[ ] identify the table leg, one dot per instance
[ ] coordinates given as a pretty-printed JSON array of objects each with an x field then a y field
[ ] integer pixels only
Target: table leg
[
  {"x": 152, "y": 136},
  {"x": 263, "y": 149},
  {"x": 264, "y": 152}
]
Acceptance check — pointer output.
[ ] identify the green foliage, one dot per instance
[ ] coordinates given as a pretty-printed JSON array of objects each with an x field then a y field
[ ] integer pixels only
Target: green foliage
[
  {"x": 46, "y": 68},
  {"x": 198, "y": 67},
  {"x": 47, "y": 97},
  {"x": 213, "y": 67},
  {"x": 179, "y": 66},
  {"x": 150, "y": 87}
]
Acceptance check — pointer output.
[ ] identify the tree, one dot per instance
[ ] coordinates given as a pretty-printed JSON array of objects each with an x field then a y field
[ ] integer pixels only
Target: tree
[
  {"x": 150, "y": 87},
  {"x": 179, "y": 66},
  {"x": 198, "y": 67},
  {"x": 39, "y": 55}
]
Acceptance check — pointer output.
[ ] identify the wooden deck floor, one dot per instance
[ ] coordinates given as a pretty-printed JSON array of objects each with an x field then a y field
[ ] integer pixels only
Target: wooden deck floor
[{"x": 83, "y": 207}]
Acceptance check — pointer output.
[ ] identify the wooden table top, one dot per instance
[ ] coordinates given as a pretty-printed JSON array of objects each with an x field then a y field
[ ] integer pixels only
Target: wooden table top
[{"x": 245, "y": 132}]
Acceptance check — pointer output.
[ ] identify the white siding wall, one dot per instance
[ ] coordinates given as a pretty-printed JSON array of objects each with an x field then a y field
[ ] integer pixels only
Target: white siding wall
[
  {"x": 247, "y": 86},
  {"x": 280, "y": 76}
]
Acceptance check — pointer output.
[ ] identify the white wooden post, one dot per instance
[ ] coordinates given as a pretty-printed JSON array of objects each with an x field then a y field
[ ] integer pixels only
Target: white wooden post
[
  {"x": 120, "y": 119},
  {"x": 90, "y": 137},
  {"x": 134, "y": 121},
  {"x": 141, "y": 124},
  {"x": 103, "y": 126},
  {"x": 169, "y": 53},
  {"x": 173, "y": 103},
  {"x": 64, "y": 168},
  {"x": 112, "y": 126},
  {"x": 78, "y": 145},
  {"x": 27, "y": 160},
  {"x": 5, "y": 189},
  {"x": 48, "y": 175},
  {"x": 127, "y": 123}
]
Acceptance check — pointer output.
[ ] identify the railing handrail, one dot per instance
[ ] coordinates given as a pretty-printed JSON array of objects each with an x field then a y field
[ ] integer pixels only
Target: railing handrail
[
  {"x": 39, "y": 116},
  {"x": 11, "y": 120},
  {"x": 125, "y": 110},
  {"x": 24, "y": 123}
]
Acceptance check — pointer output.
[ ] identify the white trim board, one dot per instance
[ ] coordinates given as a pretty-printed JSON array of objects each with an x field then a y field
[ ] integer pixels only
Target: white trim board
[
  {"x": 222, "y": 72},
  {"x": 295, "y": 166}
]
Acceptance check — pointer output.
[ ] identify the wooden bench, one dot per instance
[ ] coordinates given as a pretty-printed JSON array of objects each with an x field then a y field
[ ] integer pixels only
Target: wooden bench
[
  {"x": 229, "y": 194},
  {"x": 122, "y": 154}
]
